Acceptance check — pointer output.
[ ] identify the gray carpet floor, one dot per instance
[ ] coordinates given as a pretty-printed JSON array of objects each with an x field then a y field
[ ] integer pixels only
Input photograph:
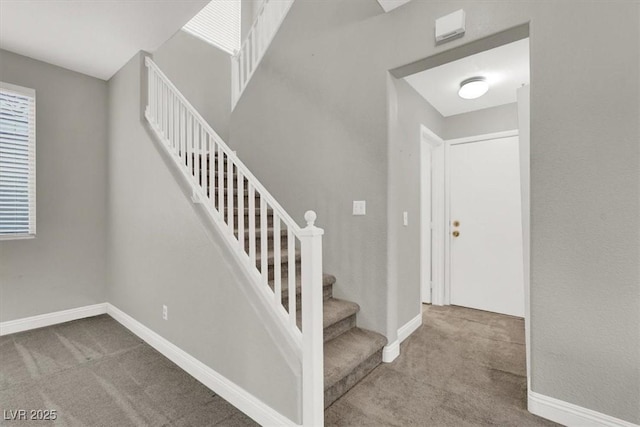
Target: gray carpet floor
[
  {"x": 94, "y": 372},
  {"x": 463, "y": 367}
]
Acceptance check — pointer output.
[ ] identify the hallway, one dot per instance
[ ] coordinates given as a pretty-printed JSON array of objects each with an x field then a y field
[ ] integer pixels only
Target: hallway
[{"x": 462, "y": 367}]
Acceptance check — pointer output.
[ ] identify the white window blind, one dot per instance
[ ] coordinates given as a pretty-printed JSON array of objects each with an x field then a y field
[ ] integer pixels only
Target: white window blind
[
  {"x": 17, "y": 161},
  {"x": 219, "y": 24}
]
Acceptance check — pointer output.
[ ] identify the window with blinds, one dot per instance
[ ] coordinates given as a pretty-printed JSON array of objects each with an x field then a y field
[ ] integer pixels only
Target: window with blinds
[
  {"x": 218, "y": 24},
  {"x": 17, "y": 161}
]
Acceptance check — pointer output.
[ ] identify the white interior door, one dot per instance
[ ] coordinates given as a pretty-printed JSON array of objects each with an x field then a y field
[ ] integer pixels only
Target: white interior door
[{"x": 486, "y": 266}]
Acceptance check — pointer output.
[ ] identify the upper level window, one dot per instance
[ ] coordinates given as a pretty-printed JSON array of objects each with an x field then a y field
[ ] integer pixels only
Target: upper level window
[
  {"x": 17, "y": 162},
  {"x": 218, "y": 23}
]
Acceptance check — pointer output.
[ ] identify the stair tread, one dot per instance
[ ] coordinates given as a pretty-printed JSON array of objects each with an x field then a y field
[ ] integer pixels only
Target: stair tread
[
  {"x": 246, "y": 210},
  {"x": 327, "y": 280},
  {"x": 283, "y": 231},
  {"x": 344, "y": 353},
  {"x": 271, "y": 256},
  {"x": 333, "y": 311}
]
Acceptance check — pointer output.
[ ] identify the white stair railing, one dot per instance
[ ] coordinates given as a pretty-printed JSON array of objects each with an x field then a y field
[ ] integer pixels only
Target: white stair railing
[
  {"x": 245, "y": 62},
  {"x": 245, "y": 213}
]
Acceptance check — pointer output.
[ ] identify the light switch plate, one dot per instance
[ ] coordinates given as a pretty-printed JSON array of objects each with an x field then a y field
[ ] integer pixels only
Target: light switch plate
[
  {"x": 405, "y": 218},
  {"x": 359, "y": 207}
]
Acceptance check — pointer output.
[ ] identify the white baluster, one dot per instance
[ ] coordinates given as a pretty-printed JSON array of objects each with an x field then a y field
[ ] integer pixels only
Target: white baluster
[
  {"x": 312, "y": 347},
  {"x": 154, "y": 113},
  {"x": 188, "y": 143},
  {"x": 240, "y": 209},
  {"x": 170, "y": 119},
  {"x": 165, "y": 89},
  {"x": 176, "y": 124},
  {"x": 196, "y": 152},
  {"x": 183, "y": 130},
  {"x": 149, "y": 90},
  {"x": 254, "y": 50},
  {"x": 242, "y": 73},
  {"x": 221, "y": 182},
  {"x": 252, "y": 225},
  {"x": 211, "y": 171},
  {"x": 264, "y": 250},
  {"x": 203, "y": 159},
  {"x": 161, "y": 108},
  {"x": 230, "y": 193},
  {"x": 157, "y": 100},
  {"x": 277, "y": 261},
  {"x": 291, "y": 260},
  {"x": 247, "y": 64}
]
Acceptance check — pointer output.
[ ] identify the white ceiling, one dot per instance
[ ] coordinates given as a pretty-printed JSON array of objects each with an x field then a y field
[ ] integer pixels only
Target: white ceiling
[
  {"x": 506, "y": 68},
  {"x": 388, "y": 5},
  {"x": 94, "y": 37}
]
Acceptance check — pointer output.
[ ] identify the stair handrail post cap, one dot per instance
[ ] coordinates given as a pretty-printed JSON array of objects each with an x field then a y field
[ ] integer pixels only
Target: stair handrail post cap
[
  {"x": 310, "y": 217},
  {"x": 311, "y": 229}
]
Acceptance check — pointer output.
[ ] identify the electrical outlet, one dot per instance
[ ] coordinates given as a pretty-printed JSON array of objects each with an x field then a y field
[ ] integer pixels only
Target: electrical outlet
[
  {"x": 165, "y": 312},
  {"x": 359, "y": 207},
  {"x": 405, "y": 218}
]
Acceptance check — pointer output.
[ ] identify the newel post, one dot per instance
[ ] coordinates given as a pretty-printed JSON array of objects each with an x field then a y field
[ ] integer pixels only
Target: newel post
[{"x": 312, "y": 342}]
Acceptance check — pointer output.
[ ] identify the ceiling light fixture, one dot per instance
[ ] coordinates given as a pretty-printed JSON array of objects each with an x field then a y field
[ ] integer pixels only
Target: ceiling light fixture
[{"x": 473, "y": 88}]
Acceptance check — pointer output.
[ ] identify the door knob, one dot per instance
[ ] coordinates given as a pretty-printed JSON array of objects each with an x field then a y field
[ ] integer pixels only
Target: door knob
[
  {"x": 456, "y": 223},
  {"x": 456, "y": 233}
]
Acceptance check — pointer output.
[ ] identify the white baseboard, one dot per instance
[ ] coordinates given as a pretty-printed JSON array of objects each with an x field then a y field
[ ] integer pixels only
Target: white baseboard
[
  {"x": 410, "y": 327},
  {"x": 571, "y": 415},
  {"x": 237, "y": 396},
  {"x": 40, "y": 321},
  {"x": 392, "y": 351}
]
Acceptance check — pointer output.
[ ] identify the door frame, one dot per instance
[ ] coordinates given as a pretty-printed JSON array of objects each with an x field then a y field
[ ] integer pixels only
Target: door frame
[
  {"x": 446, "y": 291},
  {"x": 431, "y": 203}
]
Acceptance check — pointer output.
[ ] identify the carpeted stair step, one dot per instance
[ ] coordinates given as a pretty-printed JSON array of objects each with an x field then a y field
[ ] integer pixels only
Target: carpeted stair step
[
  {"x": 284, "y": 262},
  {"x": 246, "y": 216},
  {"x": 348, "y": 358},
  {"x": 327, "y": 288},
  {"x": 338, "y": 316},
  {"x": 235, "y": 193},
  {"x": 283, "y": 238}
]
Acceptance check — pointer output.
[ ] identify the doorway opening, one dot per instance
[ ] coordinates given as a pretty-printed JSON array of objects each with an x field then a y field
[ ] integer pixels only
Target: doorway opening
[{"x": 473, "y": 175}]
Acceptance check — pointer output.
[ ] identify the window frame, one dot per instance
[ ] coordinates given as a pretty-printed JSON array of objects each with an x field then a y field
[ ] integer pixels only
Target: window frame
[{"x": 31, "y": 182}]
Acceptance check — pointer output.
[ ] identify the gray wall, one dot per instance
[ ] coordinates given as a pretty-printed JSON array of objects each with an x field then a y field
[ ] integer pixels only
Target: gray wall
[
  {"x": 248, "y": 14},
  {"x": 488, "y": 120},
  {"x": 307, "y": 128},
  {"x": 160, "y": 252},
  {"x": 404, "y": 177},
  {"x": 202, "y": 73},
  {"x": 312, "y": 125},
  {"x": 64, "y": 266}
]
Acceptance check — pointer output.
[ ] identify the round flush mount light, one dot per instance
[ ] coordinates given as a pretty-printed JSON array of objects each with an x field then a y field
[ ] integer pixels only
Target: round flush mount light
[{"x": 473, "y": 88}]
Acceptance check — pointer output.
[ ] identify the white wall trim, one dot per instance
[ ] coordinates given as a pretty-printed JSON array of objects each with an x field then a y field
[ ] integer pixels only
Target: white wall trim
[
  {"x": 483, "y": 137},
  {"x": 392, "y": 351},
  {"x": 432, "y": 158},
  {"x": 234, "y": 394},
  {"x": 571, "y": 415},
  {"x": 42, "y": 320},
  {"x": 410, "y": 327}
]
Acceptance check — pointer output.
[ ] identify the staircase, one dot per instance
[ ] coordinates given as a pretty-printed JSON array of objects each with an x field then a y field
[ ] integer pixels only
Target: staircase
[
  {"x": 281, "y": 261},
  {"x": 350, "y": 353}
]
